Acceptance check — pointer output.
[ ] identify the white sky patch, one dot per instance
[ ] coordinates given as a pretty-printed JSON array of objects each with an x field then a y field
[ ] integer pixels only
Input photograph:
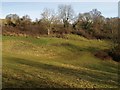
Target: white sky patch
[
  {"x": 60, "y": 0},
  {"x": 34, "y": 9}
]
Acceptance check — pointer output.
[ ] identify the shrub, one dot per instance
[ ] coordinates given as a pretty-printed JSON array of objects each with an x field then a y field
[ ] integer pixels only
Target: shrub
[{"x": 103, "y": 55}]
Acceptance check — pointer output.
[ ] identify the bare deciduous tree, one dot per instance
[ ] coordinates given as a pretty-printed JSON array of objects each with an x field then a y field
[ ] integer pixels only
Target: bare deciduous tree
[
  {"x": 65, "y": 13},
  {"x": 49, "y": 17}
]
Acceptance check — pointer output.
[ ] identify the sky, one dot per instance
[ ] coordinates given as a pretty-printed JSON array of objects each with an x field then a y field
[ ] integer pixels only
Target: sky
[
  {"x": 60, "y": 0},
  {"x": 34, "y": 9}
]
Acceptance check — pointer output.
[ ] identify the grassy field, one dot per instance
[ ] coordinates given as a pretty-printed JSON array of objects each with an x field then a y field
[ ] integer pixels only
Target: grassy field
[{"x": 56, "y": 62}]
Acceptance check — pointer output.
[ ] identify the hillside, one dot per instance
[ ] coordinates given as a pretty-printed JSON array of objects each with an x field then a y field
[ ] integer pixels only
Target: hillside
[{"x": 57, "y": 62}]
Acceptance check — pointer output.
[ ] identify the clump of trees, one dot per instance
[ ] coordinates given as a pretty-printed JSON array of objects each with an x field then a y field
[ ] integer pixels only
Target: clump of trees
[{"x": 90, "y": 24}]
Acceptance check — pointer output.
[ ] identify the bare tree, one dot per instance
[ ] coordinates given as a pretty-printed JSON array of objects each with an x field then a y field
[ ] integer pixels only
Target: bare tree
[
  {"x": 48, "y": 17},
  {"x": 95, "y": 14},
  {"x": 66, "y": 14}
]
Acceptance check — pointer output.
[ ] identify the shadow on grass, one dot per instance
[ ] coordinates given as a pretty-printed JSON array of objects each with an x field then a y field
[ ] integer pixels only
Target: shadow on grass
[
  {"x": 14, "y": 82},
  {"x": 72, "y": 47},
  {"x": 84, "y": 75}
]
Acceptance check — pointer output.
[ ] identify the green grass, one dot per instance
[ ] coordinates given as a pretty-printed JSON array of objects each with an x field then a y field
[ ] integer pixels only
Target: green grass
[{"x": 56, "y": 62}]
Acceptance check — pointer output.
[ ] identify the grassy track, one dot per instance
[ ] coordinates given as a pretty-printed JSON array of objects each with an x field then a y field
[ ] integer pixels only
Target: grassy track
[{"x": 56, "y": 62}]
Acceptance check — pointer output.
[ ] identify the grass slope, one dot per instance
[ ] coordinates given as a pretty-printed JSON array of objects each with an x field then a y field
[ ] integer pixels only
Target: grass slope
[{"x": 55, "y": 62}]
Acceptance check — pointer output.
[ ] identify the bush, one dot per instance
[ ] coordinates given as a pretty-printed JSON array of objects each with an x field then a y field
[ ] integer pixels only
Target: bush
[
  {"x": 115, "y": 54},
  {"x": 103, "y": 55}
]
